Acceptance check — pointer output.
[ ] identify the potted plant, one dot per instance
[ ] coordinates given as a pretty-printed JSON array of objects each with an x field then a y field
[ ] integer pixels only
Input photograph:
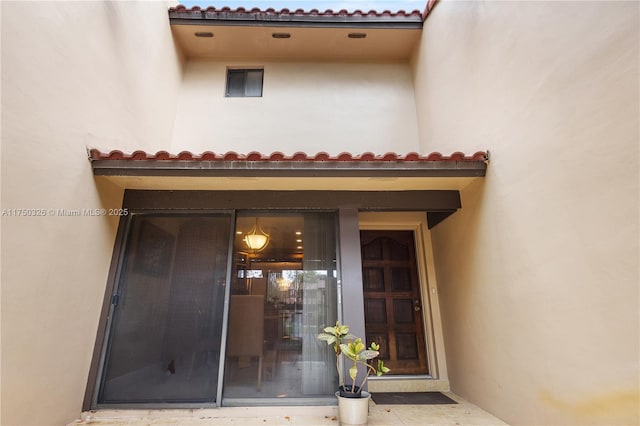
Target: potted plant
[{"x": 353, "y": 401}]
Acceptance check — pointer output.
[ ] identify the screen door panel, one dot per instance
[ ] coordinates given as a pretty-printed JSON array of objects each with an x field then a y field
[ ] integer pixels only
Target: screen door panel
[{"x": 164, "y": 343}]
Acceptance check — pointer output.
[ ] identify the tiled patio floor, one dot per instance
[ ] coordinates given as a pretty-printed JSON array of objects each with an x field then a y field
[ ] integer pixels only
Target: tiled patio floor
[{"x": 463, "y": 413}]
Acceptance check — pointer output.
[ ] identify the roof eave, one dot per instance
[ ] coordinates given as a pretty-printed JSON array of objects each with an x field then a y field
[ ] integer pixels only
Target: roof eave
[
  {"x": 389, "y": 25},
  {"x": 222, "y": 168},
  {"x": 224, "y": 17}
]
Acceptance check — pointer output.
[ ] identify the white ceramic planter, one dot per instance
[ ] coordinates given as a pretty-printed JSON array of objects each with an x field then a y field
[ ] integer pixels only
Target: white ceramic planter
[{"x": 353, "y": 411}]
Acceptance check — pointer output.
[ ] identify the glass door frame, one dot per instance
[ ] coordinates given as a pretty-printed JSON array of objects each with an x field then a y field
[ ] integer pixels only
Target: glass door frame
[
  {"x": 115, "y": 279},
  {"x": 275, "y": 401},
  {"x": 120, "y": 249}
]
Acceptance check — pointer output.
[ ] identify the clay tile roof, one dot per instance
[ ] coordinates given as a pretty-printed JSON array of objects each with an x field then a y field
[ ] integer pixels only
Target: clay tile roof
[
  {"x": 256, "y": 16},
  {"x": 95, "y": 155},
  {"x": 183, "y": 9},
  {"x": 279, "y": 164}
]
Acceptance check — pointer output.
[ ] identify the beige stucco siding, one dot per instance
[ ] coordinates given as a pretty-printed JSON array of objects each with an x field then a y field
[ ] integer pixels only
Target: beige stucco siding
[
  {"x": 74, "y": 74},
  {"x": 538, "y": 272},
  {"x": 306, "y": 106}
]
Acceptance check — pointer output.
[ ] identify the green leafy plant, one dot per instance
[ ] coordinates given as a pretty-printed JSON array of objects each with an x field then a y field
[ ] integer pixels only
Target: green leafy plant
[{"x": 354, "y": 350}]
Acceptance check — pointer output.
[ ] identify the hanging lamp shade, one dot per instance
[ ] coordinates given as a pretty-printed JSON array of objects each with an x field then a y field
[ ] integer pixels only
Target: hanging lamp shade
[{"x": 256, "y": 239}]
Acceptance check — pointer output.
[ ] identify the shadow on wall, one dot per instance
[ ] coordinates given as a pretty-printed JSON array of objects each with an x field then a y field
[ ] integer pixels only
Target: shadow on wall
[{"x": 457, "y": 245}]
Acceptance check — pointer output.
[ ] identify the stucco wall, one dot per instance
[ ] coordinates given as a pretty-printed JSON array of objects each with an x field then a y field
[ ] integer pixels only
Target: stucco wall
[
  {"x": 310, "y": 107},
  {"x": 74, "y": 75},
  {"x": 539, "y": 270}
]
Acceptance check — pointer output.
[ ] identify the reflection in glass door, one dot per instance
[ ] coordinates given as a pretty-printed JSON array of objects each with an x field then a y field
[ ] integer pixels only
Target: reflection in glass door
[
  {"x": 283, "y": 292},
  {"x": 164, "y": 343}
]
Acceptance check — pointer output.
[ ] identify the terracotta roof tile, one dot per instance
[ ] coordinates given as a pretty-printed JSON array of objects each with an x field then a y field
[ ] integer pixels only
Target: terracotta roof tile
[
  {"x": 95, "y": 154},
  {"x": 298, "y": 12},
  {"x": 314, "y": 17}
]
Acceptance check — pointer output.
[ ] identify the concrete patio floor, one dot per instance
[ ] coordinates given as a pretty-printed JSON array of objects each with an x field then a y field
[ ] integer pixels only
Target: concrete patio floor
[{"x": 463, "y": 413}]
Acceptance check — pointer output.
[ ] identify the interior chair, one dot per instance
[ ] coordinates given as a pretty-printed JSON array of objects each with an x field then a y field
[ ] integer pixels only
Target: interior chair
[{"x": 246, "y": 329}]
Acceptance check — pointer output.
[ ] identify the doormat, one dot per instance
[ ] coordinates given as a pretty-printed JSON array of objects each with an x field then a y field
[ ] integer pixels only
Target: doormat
[{"x": 411, "y": 398}]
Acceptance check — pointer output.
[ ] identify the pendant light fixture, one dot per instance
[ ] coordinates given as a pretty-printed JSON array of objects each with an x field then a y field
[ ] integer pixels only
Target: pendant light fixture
[{"x": 256, "y": 239}]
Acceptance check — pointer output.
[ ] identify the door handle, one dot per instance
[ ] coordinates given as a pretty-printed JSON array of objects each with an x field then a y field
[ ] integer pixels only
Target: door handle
[{"x": 416, "y": 305}]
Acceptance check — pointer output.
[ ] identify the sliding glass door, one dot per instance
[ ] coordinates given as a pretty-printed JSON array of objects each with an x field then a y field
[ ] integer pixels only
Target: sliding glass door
[
  {"x": 283, "y": 294},
  {"x": 187, "y": 322},
  {"x": 167, "y": 312}
]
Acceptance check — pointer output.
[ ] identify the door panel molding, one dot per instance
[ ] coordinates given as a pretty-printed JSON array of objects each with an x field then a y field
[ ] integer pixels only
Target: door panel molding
[
  {"x": 394, "y": 252},
  {"x": 417, "y": 222}
]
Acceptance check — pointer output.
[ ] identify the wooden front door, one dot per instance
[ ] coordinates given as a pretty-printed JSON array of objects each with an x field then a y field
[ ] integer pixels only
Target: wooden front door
[{"x": 392, "y": 302}]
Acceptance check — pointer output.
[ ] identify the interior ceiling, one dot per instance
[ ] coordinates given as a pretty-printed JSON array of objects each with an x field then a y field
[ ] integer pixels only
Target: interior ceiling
[
  {"x": 304, "y": 43},
  {"x": 282, "y": 235}
]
